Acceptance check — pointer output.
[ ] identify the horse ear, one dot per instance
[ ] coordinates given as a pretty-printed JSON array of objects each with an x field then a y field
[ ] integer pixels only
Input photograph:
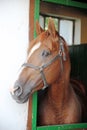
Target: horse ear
[
  {"x": 51, "y": 27},
  {"x": 52, "y": 32},
  {"x": 39, "y": 30}
]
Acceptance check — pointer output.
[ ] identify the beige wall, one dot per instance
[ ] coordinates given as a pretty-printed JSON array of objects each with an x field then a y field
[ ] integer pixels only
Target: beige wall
[
  {"x": 56, "y": 10},
  {"x": 14, "y": 21}
]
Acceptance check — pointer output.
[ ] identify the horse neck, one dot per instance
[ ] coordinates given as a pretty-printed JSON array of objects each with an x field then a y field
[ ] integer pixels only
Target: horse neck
[{"x": 59, "y": 91}]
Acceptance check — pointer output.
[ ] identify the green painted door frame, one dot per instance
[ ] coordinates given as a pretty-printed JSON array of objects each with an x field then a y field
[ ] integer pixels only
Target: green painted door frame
[
  {"x": 34, "y": 101},
  {"x": 69, "y": 3}
]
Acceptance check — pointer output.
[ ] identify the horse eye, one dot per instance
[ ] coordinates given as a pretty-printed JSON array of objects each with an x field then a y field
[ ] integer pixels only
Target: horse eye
[{"x": 45, "y": 53}]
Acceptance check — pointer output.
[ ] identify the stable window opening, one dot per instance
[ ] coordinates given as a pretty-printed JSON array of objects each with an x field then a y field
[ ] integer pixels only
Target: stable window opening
[{"x": 66, "y": 28}]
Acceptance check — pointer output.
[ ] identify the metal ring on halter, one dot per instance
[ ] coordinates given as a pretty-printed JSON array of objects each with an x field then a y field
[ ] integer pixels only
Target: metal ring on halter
[{"x": 60, "y": 52}]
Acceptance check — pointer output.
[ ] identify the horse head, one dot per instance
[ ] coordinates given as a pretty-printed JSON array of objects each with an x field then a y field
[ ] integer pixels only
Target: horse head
[{"x": 47, "y": 60}]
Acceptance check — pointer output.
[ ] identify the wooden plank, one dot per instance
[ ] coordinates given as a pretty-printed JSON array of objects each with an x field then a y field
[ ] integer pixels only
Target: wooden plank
[
  {"x": 29, "y": 119},
  {"x": 31, "y": 20},
  {"x": 33, "y": 16},
  {"x": 31, "y": 37}
]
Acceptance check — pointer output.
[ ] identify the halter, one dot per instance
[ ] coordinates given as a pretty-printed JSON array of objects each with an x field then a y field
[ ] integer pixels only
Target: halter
[{"x": 42, "y": 67}]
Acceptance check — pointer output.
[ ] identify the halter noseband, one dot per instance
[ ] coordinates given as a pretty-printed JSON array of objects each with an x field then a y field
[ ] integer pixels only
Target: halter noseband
[{"x": 42, "y": 67}]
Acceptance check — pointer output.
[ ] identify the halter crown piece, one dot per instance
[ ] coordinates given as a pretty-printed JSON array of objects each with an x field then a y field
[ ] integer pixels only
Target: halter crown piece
[
  {"x": 41, "y": 68},
  {"x": 62, "y": 49}
]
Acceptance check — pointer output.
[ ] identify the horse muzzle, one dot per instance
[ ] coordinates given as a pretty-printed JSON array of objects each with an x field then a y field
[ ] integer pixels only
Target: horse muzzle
[{"x": 17, "y": 93}]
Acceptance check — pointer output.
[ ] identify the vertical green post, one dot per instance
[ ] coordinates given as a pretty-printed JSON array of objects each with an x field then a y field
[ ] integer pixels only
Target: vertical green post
[
  {"x": 34, "y": 111},
  {"x": 36, "y": 14},
  {"x": 34, "y": 100}
]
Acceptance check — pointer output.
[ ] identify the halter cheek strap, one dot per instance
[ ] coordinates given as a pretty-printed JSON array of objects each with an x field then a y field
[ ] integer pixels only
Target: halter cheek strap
[
  {"x": 41, "y": 68},
  {"x": 43, "y": 78}
]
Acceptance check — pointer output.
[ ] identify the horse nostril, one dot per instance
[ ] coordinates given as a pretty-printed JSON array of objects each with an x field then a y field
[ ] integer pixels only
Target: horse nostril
[{"x": 17, "y": 90}]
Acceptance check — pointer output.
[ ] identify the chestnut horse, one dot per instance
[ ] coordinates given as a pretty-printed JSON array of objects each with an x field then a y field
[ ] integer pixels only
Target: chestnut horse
[{"x": 47, "y": 68}]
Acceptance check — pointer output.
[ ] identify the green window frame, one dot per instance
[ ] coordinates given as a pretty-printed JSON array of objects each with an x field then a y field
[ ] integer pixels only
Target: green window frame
[
  {"x": 69, "y": 3},
  {"x": 35, "y": 98}
]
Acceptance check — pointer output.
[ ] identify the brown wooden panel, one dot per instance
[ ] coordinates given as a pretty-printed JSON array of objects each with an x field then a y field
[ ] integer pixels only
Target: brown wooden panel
[
  {"x": 31, "y": 20},
  {"x": 31, "y": 37},
  {"x": 29, "y": 119}
]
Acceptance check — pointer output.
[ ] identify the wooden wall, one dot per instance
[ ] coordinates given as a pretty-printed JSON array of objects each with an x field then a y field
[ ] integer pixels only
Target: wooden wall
[
  {"x": 31, "y": 37},
  {"x": 56, "y": 10}
]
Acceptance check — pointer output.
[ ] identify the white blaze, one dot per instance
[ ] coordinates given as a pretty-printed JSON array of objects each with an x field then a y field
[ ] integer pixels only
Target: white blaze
[{"x": 35, "y": 47}]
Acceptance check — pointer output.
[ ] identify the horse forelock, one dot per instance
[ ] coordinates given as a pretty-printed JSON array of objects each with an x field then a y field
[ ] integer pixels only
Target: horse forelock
[{"x": 49, "y": 41}]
